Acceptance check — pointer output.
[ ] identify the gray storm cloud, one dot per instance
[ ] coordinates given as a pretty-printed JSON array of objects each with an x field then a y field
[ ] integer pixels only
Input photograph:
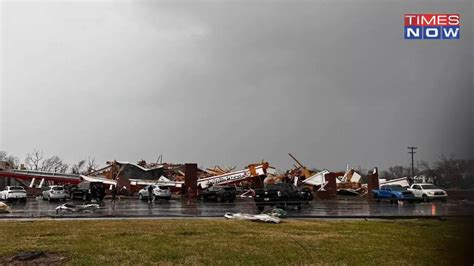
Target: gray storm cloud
[{"x": 231, "y": 83}]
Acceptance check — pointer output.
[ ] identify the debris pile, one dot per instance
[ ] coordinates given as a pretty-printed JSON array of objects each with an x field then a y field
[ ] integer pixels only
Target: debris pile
[
  {"x": 253, "y": 217},
  {"x": 76, "y": 208}
]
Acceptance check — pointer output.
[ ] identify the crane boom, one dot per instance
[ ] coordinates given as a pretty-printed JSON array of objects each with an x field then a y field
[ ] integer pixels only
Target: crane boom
[{"x": 293, "y": 157}]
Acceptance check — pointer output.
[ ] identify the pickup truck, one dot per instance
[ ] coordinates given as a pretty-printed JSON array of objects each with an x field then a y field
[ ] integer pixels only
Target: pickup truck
[
  {"x": 425, "y": 192},
  {"x": 88, "y": 191},
  {"x": 219, "y": 194},
  {"x": 281, "y": 195},
  {"x": 393, "y": 193}
]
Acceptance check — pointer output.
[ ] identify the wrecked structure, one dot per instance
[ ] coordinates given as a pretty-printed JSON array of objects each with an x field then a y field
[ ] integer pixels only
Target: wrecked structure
[
  {"x": 33, "y": 180},
  {"x": 329, "y": 184},
  {"x": 181, "y": 178},
  {"x": 185, "y": 178},
  {"x": 130, "y": 177}
]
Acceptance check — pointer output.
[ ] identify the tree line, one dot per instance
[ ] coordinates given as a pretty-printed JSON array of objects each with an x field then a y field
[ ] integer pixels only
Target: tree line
[
  {"x": 447, "y": 172},
  {"x": 36, "y": 161}
]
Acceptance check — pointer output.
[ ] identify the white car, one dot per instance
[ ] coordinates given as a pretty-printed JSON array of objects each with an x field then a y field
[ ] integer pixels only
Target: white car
[
  {"x": 54, "y": 192},
  {"x": 426, "y": 191},
  {"x": 159, "y": 192},
  {"x": 13, "y": 192}
]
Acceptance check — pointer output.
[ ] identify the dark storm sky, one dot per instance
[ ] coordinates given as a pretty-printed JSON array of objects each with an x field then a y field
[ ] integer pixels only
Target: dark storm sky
[{"x": 234, "y": 82}]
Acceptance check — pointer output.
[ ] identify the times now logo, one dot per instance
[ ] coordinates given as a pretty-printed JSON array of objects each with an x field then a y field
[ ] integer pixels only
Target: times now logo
[{"x": 432, "y": 26}]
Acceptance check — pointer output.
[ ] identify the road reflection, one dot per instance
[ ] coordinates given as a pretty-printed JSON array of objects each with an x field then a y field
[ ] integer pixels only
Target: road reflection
[{"x": 196, "y": 208}]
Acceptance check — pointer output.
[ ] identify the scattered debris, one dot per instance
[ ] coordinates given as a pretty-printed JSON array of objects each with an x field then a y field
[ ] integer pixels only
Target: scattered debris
[
  {"x": 253, "y": 217},
  {"x": 403, "y": 181},
  {"x": 278, "y": 212},
  {"x": 248, "y": 194},
  {"x": 34, "y": 258},
  {"x": 4, "y": 208},
  {"x": 76, "y": 208},
  {"x": 317, "y": 179}
]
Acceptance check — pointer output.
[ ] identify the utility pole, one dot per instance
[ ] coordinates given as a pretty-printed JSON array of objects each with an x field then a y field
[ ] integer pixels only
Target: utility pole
[{"x": 412, "y": 152}]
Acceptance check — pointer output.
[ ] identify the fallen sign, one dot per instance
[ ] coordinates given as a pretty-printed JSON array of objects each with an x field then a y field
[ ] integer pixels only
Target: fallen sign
[
  {"x": 76, "y": 208},
  {"x": 252, "y": 217}
]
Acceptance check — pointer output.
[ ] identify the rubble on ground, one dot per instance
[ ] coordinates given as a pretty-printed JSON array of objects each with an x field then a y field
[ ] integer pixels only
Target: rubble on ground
[
  {"x": 253, "y": 217},
  {"x": 4, "y": 208},
  {"x": 76, "y": 208}
]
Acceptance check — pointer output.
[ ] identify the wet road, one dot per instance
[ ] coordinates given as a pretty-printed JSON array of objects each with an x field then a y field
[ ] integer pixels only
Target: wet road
[{"x": 36, "y": 208}]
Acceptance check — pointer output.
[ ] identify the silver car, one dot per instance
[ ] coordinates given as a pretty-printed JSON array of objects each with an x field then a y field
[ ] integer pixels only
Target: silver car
[
  {"x": 54, "y": 193},
  {"x": 159, "y": 192}
]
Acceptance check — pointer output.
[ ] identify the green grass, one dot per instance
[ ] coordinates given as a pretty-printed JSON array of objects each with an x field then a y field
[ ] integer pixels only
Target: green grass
[{"x": 241, "y": 242}]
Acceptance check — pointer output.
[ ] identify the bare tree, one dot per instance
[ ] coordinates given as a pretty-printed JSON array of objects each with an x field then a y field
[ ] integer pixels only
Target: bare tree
[
  {"x": 449, "y": 170},
  {"x": 12, "y": 160},
  {"x": 78, "y": 168},
  {"x": 425, "y": 169},
  {"x": 397, "y": 171},
  {"x": 33, "y": 160},
  {"x": 54, "y": 164},
  {"x": 91, "y": 164}
]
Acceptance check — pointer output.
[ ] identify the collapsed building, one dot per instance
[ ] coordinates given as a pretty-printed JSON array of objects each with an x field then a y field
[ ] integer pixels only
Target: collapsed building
[
  {"x": 180, "y": 178},
  {"x": 131, "y": 177},
  {"x": 185, "y": 178}
]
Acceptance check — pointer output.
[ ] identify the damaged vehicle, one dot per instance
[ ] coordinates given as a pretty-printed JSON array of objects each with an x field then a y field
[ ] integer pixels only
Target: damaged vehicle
[
  {"x": 282, "y": 195},
  {"x": 219, "y": 194}
]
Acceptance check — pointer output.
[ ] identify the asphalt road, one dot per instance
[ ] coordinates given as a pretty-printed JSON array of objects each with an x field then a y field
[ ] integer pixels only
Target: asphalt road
[{"x": 348, "y": 208}]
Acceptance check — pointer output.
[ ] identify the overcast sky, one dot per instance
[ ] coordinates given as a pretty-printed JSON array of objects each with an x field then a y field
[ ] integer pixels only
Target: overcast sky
[{"x": 234, "y": 82}]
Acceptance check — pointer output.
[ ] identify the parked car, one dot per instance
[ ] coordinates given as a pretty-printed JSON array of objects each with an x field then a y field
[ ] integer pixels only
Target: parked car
[
  {"x": 159, "y": 192},
  {"x": 13, "y": 192},
  {"x": 54, "y": 192},
  {"x": 281, "y": 195},
  {"x": 219, "y": 194},
  {"x": 393, "y": 193},
  {"x": 88, "y": 191},
  {"x": 425, "y": 192}
]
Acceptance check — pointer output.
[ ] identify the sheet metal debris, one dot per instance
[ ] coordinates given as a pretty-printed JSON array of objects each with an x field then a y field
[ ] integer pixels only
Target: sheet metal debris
[
  {"x": 76, "y": 208},
  {"x": 4, "y": 208},
  {"x": 278, "y": 212},
  {"x": 270, "y": 217},
  {"x": 253, "y": 217},
  {"x": 397, "y": 181}
]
